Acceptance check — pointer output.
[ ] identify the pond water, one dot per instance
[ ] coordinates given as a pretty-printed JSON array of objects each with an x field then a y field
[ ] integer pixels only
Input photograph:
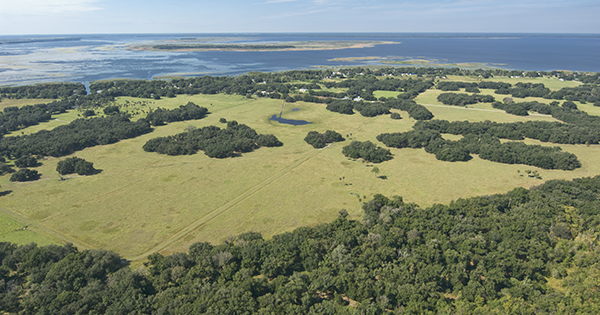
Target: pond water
[{"x": 292, "y": 122}]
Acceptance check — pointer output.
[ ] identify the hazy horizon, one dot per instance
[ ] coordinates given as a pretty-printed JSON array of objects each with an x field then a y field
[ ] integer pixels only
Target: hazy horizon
[{"x": 90, "y": 17}]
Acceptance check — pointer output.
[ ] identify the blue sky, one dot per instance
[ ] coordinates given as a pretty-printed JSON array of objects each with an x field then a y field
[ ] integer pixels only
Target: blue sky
[{"x": 236, "y": 16}]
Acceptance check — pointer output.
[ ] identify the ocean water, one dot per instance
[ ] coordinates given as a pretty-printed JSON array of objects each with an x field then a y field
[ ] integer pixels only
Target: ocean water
[{"x": 85, "y": 58}]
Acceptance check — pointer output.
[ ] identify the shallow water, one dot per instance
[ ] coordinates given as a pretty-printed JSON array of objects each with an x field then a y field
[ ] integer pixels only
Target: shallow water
[{"x": 97, "y": 57}]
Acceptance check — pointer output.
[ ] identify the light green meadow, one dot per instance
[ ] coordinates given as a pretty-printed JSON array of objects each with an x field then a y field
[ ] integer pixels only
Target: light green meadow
[{"x": 146, "y": 202}]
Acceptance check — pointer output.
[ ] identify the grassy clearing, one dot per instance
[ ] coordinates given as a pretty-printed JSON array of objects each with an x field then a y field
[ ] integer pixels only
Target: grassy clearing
[
  {"x": 387, "y": 94},
  {"x": 142, "y": 199},
  {"x": 13, "y": 231}
]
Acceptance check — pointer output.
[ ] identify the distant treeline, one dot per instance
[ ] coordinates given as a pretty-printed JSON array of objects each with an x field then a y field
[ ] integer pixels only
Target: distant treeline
[
  {"x": 45, "y": 90},
  {"x": 357, "y": 82},
  {"x": 585, "y": 93},
  {"x": 483, "y": 138},
  {"x": 221, "y": 46},
  {"x": 523, "y": 252},
  {"x": 416, "y": 111}
]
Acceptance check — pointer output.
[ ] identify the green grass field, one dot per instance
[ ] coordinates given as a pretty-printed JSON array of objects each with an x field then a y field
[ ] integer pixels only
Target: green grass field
[
  {"x": 146, "y": 202},
  {"x": 14, "y": 231},
  {"x": 386, "y": 94}
]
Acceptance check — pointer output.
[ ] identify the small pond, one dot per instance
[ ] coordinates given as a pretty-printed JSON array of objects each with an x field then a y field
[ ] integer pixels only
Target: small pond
[{"x": 292, "y": 122}]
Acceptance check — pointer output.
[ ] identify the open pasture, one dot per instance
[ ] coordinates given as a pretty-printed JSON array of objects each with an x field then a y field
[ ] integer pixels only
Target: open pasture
[{"x": 146, "y": 202}]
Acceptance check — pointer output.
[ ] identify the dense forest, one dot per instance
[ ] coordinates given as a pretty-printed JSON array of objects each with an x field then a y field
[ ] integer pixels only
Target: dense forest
[
  {"x": 47, "y": 90},
  {"x": 524, "y": 252}
]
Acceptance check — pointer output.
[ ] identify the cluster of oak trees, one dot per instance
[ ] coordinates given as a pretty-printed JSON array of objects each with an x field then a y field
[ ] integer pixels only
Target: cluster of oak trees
[
  {"x": 75, "y": 165},
  {"x": 47, "y": 90},
  {"x": 585, "y": 93},
  {"x": 190, "y": 111},
  {"x": 367, "y": 109},
  {"x": 462, "y": 99},
  {"x": 367, "y": 151},
  {"x": 320, "y": 140},
  {"x": 214, "y": 141},
  {"x": 483, "y": 137},
  {"x": 79, "y": 134},
  {"x": 523, "y": 252},
  {"x": 15, "y": 118}
]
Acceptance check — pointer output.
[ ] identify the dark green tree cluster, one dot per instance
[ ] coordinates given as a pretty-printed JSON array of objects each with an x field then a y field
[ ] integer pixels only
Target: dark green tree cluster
[
  {"x": 27, "y": 161},
  {"x": 62, "y": 280},
  {"x": 395, "y": 116},
  {"x": 5, "y": 168},
  {"x": 586, "y": 92},
  {"x": 365, "y": 85},
  {"x": 25, "y": 175},
  {"x": 579, "y": 127},
  {"x": 111, "y": 110},
  {"x": 523, "y": 90},
  {"x": 214, "y": 141},
  {"x": 47, "y": 90},
  {"x": 88, "y": 113},
  {"x": 15, "y": 118},
  {"x": 75, "y": 165},
  {"x": 341, "y": 106},
  {"x": 320, "y": 140},
  {"x": 415, "y": 111},
  {"x": 79, "y": 134},
  {"x": 368, "y": 109},
  {"x": 190, "y": 111},
  {"x": 367, "y": 151},
  {"x": 461, "y": 99},
  {"x": 523, "y": 252},
  {"x": 483, "y": 138},
  {"x": 455, "y": 85}
]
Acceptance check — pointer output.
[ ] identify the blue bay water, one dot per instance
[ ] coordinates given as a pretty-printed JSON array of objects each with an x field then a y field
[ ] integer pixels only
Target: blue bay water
[{"x": 95, "y": 57}]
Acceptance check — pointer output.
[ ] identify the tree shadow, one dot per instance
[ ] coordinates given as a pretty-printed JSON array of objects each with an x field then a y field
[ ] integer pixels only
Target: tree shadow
[{"x": 4, "y": 193}]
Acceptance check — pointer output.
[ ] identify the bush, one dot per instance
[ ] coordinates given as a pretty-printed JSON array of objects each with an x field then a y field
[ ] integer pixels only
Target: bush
[
  {"x": 342, "y": 107},
  {"x": 111, "y": 110},
  {"x": 320, "y": 140},
  {"x": 88, "y": 113},
  {"x": 26, "y": 161},
  {"x": 368, "y": 151},
  {"x": 75, "y": 165},
  {"x": 24, "y": 175},
  {"x": 395, "y": 116}
]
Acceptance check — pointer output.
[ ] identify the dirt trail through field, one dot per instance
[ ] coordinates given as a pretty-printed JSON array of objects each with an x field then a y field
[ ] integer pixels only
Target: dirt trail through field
[
  {"x": 42, "y": 229},
  {"x": 245, "y": 195}
]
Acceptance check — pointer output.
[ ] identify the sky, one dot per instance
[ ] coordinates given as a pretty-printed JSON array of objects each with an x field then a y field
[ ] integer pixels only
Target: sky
[{"x": 32, "y": 17}]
